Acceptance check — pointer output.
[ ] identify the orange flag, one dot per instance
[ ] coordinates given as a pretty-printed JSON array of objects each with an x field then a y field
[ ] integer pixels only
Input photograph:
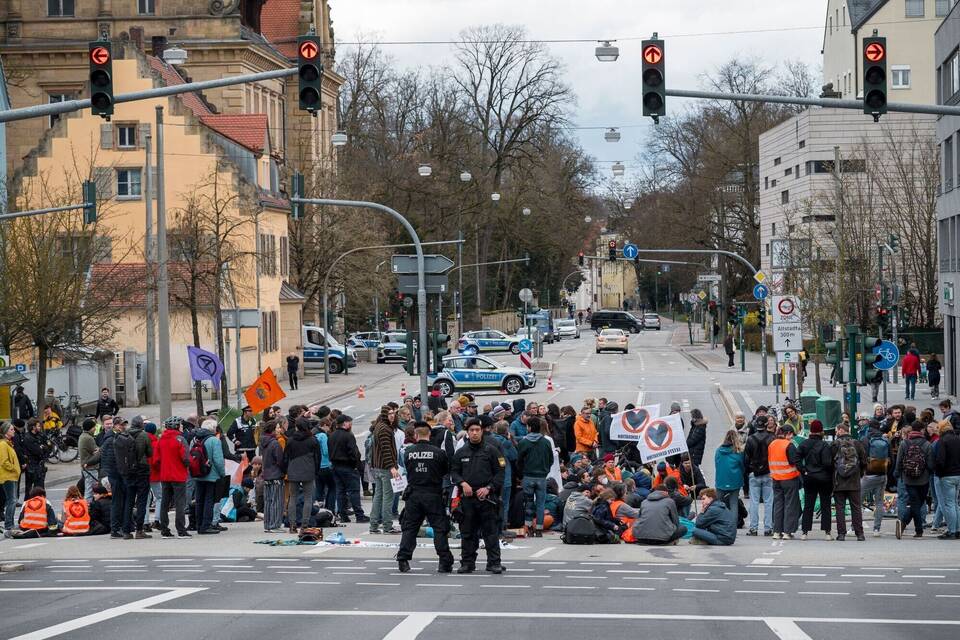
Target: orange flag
[{"x": 264, "y": 392}]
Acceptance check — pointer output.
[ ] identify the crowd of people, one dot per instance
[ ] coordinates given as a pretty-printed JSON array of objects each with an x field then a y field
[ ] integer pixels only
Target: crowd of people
[{"x": 493, "y": 472}]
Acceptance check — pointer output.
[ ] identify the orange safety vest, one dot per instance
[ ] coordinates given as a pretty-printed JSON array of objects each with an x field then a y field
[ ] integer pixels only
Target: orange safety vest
[
  {"x": 76, "y": 517},
  {"x": 34, "y": 514},
  {"x": 672, "y": 471},
  {"x": 627, "y": 535},
  {"x": 616, "y": 476},
  {"x": 780, "y": 467}
]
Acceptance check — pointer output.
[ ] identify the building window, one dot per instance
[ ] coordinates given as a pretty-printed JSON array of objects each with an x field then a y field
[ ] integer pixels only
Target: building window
[
  {"x": 146, "y": 7},
  {"x": 58, "y": 97},
  {"x": 900, "y": 76},
  {"x": 128, "y": 183},
  {"x": 948, "y": 164},
  {"x": 830, "y": 23},
  {"x": 59, "y": 8},
  {"x": 803, "y": 144},
  {"x": 284, "y": 256},
  {"x": 269, "y": 331},
  {"x": 784, "y": 197},
  {"x": 788, "y": 171},
  {"x": 796, "y": 171},
  {"x": 267, "y": 255},
  {"x": 850, "y": 165},
  {"x": 767, "y": 249},
  {"x": 914, "y": 8},
  {"x": 773, "y": 228},
  {"x": 943, "y": 7},
  {"x": 126, "y": 136},
  {"x": 776, "y": 162},
  {"x": 766, "y": 182},
  {"x": 773, "y": 183}
]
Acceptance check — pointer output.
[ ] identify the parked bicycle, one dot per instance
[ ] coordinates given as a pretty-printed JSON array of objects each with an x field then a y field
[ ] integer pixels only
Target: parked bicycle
[{"x": 63, "y": 445}]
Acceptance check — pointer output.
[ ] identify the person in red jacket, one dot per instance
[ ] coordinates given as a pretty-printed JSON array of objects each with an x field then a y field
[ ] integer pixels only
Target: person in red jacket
[
  {"x": 910, "y": 367},
  {"x": 173, "y": 464},
  {"x": 155, "y": 487}
]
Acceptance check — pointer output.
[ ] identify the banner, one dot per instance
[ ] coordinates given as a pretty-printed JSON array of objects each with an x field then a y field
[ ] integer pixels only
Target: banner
[
  {"x": 204, "y": 365},
  {"x": 264, "y": 392},
  {"x": 628, "y": 425},
  {"x": 662, "y": 437}
]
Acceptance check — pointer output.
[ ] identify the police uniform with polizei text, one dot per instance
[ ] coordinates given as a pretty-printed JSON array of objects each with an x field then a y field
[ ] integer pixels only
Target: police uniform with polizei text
[
  {"x": 426, "y": 466},
  {"x": 479, "y": 465}
]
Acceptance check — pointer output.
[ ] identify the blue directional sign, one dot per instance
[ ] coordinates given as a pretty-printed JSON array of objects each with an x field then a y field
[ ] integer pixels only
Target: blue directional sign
[
  {"x": 470, "y": 350},
  {"x": 21, "y": 368},
  {"x": 525, "y": 346},
  {"x": 890, "y": 353},
  {"x": 630, "y": 251},
  {"x": 761, "y": 291}
]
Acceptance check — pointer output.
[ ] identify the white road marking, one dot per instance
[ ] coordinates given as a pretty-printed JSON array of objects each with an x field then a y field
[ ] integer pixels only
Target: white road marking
[
  {"x": 862, "y": 575},
  {"x": 722, "y": 566},
  {"x": 239, "y": 571},
  {"x": 804, "y": 575},
  {"x": 894, "y": 595},
  {"x": 505, "y": 586},
  {"x": 79, "y": 580},
  {"x": 433, "y": 584},
  {"x": 828, "y": 581},
  {"x": 923, "y": 576},
  {"x": 410, "y": 627},
  {"x": 770, "y": 581},
  {"x": 570, "y": 570},
  {"x": 827, "y": 568},
  {"x": 707, "y": 579},
  {"x": 296, "y": 566},
  {"x": 315, "y": 582},
  {"x": 786, "y": 629},
  {"x": 689, "y": 573},
  {"x": 699, "y": 590},
  {"x": 938, "y": 569},
  {"x": 943, "y": 595},
  {"x": 107, "y": 614},
  {"x": 378, "y": 584},
  {"x": 257, "y": 582},
  {"x": 762, "y": 561},
  {"x": 631, "y": 589},
  {"x": 542, "y": 552},
  {"x": 744, "y": 573},
  {"x": 628, "y": 571},
  {"x": 601, "y": 564},
  {"x": 586, "y": 577},
  {"x": 139, "y": 580},
  {"x": 549, "y": 562},
  {"x": 823, "y": 593},
  {"x": 759, "y": 592},
  {"x": 551, "y": 586},
  {"x": 28, "y": 546},
  {"x": 199, "y": 580},
  {"x": 947, "y": 584},
  {"x": 749, "y": 400}
]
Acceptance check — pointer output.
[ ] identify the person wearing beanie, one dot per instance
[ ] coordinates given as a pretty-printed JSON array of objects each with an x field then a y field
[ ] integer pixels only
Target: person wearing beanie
[
  {"x": 816, "y": 468},
  {"x": 610, "y": 469},
  {"x": 89, "y": 454},
  {"x": 849, "y": 465}
]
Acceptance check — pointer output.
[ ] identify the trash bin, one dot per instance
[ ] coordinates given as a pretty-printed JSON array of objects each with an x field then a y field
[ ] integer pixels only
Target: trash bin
[
  {"x": 808, "y": 401},
  {"x": 829, "y": 412}
]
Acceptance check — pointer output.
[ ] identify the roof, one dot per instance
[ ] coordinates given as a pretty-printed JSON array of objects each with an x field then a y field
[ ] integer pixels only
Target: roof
[
  {"x": 134, "y": 279},
  {"x": 247, "y": 130},
  {"x": 861, "y": 10},
  {"x": 289, "y": 294},
  {"x": 280, "y": 25},
  {"x": 270, "y": 200}
]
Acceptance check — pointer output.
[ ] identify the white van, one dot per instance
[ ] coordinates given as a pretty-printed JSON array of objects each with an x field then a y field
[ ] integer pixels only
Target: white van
[{"x": 314, "y": 346}]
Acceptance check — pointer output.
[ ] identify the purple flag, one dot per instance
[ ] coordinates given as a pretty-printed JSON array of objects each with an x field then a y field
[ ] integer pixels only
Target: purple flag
[{"x": 204, "y": 365}]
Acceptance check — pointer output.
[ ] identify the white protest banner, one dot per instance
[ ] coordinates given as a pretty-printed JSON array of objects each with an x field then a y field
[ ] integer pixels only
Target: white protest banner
[
  {"x": 662, "y": 437},
  {"x": 629, "y": 425}
]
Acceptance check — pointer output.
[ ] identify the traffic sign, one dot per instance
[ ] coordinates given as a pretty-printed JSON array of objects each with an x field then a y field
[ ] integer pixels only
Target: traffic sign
[
  {"x": 702, "y": 295},
  {"x": 434, "y": 283},
  {"x": 709, "y": 277},
  {"x": 785, "y": 309},
  {"x": 630, "y": 251},
  {"x": 526, "y": 295},
  {"x": 525, "y": 360},
  {"x": 525, "y": 345},
  {"x": 652, "y": 54},
  {"x": 21, "y": 368},
  {"x": 761, "y": 291},
  {"x": 309, "y": 50},
  {"x": 693, "y": 298},
  {"x": 4, "y": 361},
  {"x": 846, "y": 396},
  {"x": 890, "y": 353},
  {"x": 786, "y": 357},
  {"x": 431, "y": 264},
  {"x": 875, "y": 52},
  {"x": 99, "y": 55},
  {"x": 760, "y": 276},
  {"x": 787, "y": 336}
]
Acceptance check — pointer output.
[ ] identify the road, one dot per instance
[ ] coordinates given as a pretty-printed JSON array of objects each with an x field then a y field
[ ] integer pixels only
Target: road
[{"x": 227, "y": 585}]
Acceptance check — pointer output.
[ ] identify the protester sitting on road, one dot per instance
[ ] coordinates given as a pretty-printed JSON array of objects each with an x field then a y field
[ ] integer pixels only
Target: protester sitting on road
[
  {"x": 100, "y": 511},
  {"x": 37, "y": 515},
  {"x": 716, "y": 524},
  {"x": 603, "y": 515},
  {"x": 658, "y": 522},
  {"x": 75, "y": 518},
  {"x": 691, "y": 478},
  {"x": 623, "y": 512},
  {"x": 683, "y": 501},
  {"x": 610, "y": 468},
  {"x": 578, "y": 504}
]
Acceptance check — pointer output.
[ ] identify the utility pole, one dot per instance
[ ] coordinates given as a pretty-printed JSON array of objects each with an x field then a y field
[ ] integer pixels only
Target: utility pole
[
  {"x": 163, "y": 304},
  {"x": 151, "y": 372},
  {"x": 838, "y": 238}
]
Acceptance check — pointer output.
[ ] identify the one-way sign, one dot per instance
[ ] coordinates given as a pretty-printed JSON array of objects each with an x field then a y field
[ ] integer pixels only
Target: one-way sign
[
  {"x": 787, "y": 336},
  {"x": 431, "y": 264}
]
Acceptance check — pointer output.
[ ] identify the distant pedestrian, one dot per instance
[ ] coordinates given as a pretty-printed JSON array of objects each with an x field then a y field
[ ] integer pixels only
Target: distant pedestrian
[
  {"x": 760, "y": 484},
  {"x": 293, "y": 369},
  {"x": 913, "y": 467},
  {"x": 729, "y": 465},
  {"x": 728, "y": 348},
  {"x": 849, "y": 465},
  {"x": 783, "y": 459},
  {"x": 106, "y": 406},
  {"x": 22, "y": 406},
  {"x": 816, "y": 465},
  {"x": 910, "y": 368},
  {"x": 933, "y": 376}
]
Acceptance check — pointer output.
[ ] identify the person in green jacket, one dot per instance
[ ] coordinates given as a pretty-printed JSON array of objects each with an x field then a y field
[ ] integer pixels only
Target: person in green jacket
[
  {"x": 535, "y": 457},
  {"x": 728, "y": 461}
]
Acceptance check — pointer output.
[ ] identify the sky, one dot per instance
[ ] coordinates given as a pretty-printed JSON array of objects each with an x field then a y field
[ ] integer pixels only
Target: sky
[{"x": 696, "y": 34}]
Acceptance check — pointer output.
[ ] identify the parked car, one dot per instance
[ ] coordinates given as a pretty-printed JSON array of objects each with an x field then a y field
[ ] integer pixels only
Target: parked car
[
  {"x": 651, "y": 321},
  {"x": 612, "y": 340},
  {"x": 488, "y": 340},
  {"x": 314, "y": 346},
  {"x": 567, "y": 329}
]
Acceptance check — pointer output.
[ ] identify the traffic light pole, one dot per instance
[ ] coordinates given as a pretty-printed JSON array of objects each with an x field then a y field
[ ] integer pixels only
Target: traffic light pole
[
  {"x": 422, "y": 295},
  {"x": 853, "y": 338},
  {"x": 39, "y": 212}
]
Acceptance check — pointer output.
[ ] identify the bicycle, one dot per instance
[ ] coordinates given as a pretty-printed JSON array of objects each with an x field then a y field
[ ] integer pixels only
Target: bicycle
[{"x": 63, "y": 448}]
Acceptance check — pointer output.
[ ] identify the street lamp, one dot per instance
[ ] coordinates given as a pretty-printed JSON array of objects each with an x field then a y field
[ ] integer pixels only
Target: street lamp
[
  {"x": 465, "y": 176},
  {"x": 618, "y": 169},
  {"x": 526, "y": 211},
  {"x": 425, "y": 170},
  {"x": 606, "y": 52},
  {"x": 495, "y": 196},
  {"x": 612, "y": 135},
  {"x": 338, "y": 139},
  {"x": 587, "y": 219}
]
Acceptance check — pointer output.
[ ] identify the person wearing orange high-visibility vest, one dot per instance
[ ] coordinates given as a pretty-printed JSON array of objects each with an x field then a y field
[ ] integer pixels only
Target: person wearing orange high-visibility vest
[
  {"x": 37, "y": 514},
  {"x": 783, "y": 458},
  {"x": 76, "y": 514}
]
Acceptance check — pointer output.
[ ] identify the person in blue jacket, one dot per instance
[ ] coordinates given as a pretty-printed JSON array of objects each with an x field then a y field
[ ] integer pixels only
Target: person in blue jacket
[
  {"x": 716, "y": 525},
  {"x": 502, "y": 438},
  {"x": 728, "y": 461},
  {"x": 207, "y": 483}
]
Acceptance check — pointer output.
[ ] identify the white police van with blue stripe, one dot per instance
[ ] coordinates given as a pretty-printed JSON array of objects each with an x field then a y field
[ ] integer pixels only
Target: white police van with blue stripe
[{"x": 314, "y": 346}]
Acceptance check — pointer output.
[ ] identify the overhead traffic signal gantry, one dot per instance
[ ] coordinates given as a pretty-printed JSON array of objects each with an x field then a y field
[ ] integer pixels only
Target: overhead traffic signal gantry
[
  {"x": 654, "y": 79},
  {"x": 875, "y": 76},
  {"x": 309, "y": 72},
  {"x": 101, "y": 78}
]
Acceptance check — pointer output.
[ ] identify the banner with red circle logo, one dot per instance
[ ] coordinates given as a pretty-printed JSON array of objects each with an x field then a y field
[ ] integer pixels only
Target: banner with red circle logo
[{"x": 656, "y": 436}]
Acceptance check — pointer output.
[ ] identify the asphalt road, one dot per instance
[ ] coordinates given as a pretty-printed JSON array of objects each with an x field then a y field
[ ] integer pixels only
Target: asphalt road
[{"x": 227, "y": 586}]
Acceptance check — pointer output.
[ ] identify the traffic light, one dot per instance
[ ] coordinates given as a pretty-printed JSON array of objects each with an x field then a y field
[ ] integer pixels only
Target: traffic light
[
  {"x": 894, "y": 242},
  {"x": 712, "y": 307},
  {"x": 762, "y": 318},
  {"x": 441, "y": 348},
  {"x": 89, "y": 202},
  {"x": 296, "y": 191},
  {"x": 580, "y": 258},
  {"x": 732, "y": 314},
  {"x": 101, "y": 79},
  {"x": 654, "y": 87},
  {"x": 612, "y": 246},
  {"x": 869, "y": 360},
  {"x": 883, "y": 318},
  {"x": 310, "y": 72},
  {"x": 834, "y": 357},
  {"x": 875, "y": 76}
]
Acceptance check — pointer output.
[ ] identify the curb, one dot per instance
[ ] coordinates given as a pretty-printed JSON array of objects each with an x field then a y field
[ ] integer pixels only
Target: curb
[
  {"x": 12, "y": 567},
  {"x": 729, "y": 403},
  {"x": 697, "y": 362}
]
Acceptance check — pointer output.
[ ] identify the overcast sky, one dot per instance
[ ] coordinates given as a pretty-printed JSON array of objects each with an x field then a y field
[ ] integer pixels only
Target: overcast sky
[{"x": 608, "y": 94}]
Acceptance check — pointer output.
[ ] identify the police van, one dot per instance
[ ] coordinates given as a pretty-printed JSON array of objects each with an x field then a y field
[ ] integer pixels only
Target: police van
[{"x": 314, "y": 346}]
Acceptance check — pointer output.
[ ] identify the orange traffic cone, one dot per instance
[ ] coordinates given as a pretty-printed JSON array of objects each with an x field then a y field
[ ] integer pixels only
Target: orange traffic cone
[
  {"x": 549, "y": 384},
  {"x": 403, "y": 391},
  {"x": 361, "y": 393}
]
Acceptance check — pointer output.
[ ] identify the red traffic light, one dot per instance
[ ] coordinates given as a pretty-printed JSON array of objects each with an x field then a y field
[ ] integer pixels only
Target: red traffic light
[
  {"x": 309, "y": 50},
  {"x": 612, "y": 244},
  {"x": 875, "y": 52},
  {"x": 652, "y": 54},
  {"x": 99, "y": 55}
]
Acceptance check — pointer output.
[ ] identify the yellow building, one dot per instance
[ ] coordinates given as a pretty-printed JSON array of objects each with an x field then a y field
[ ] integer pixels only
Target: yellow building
[
  {"x": 216, "y": 166},
  {"x": 614, "y": 282}
]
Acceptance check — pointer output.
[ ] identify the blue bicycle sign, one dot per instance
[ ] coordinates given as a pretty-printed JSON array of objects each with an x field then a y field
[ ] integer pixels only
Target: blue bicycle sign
[{"x": 890, "y": 355}]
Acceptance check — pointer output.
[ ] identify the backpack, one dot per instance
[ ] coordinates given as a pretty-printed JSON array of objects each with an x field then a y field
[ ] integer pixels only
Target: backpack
[
  {"x": 878, "y": 456},
  {"x": 580, "y": 530},
  {"x": 845, "y": 460},
  {"x": 199, "y": 462},
  {"x": 914, "y": 461},
  {"x": 125, "y": 453}
]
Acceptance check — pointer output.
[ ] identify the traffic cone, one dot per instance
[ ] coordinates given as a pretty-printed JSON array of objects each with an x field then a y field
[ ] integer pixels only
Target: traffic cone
[
  {"x": 403, "y": 391},
  {"x": 361, "y": 393},
  {"x": 550, "y": 384}
]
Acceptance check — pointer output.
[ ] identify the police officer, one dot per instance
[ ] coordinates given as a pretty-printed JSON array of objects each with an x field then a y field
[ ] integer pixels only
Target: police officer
[
  {"x": 477, "y": 469},
  {"x": 426, "y": 466}
]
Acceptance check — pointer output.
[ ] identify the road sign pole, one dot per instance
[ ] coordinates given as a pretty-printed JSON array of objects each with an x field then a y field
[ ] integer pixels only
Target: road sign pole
[
  {"x": 743, "y": 352},
  {"x": 853, "y": 336}
]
